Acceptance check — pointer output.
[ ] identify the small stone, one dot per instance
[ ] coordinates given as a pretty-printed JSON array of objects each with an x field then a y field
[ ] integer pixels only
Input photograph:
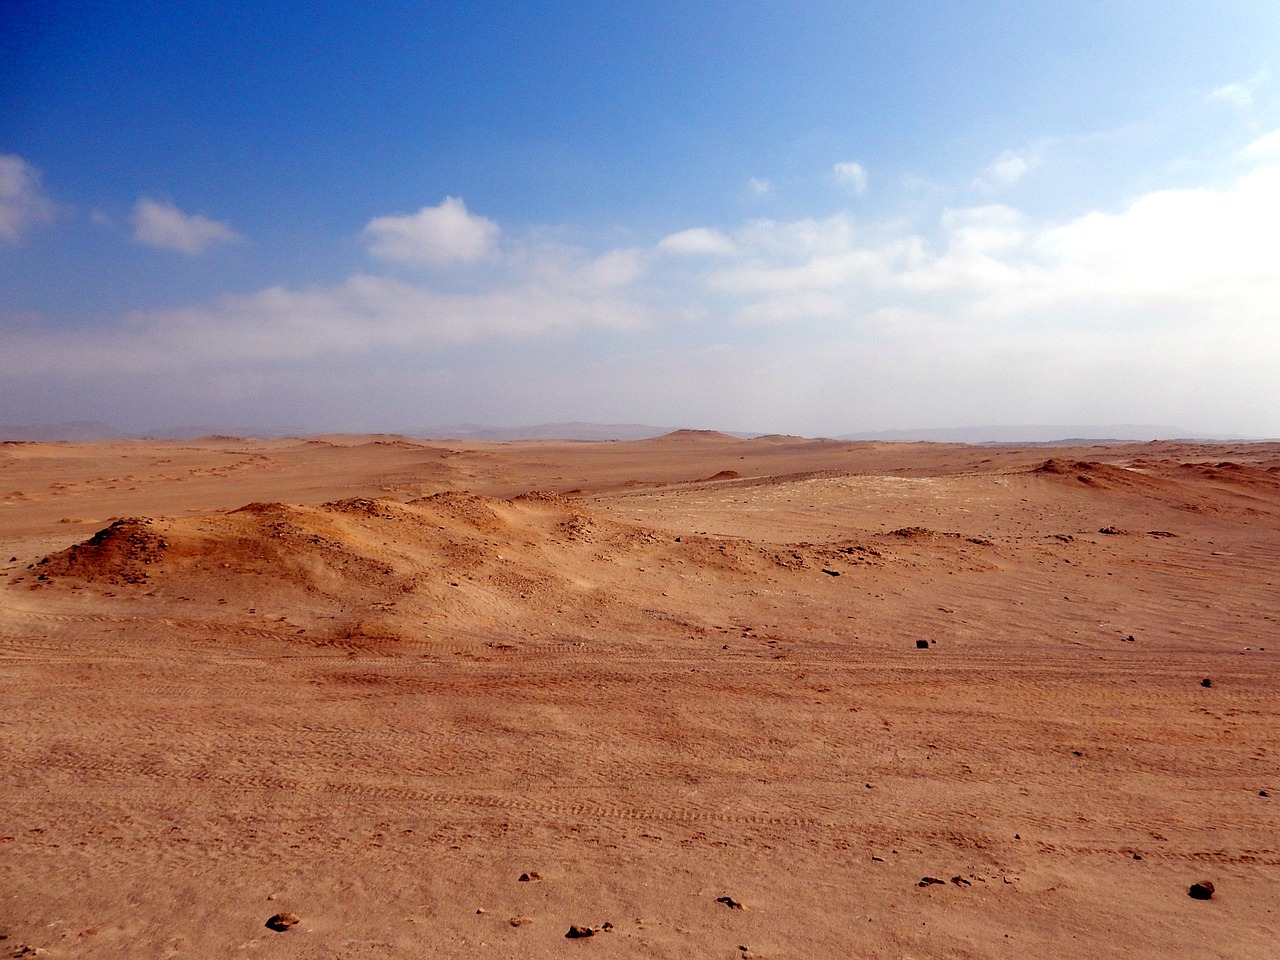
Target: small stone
[
  {"x": 283, "y": 921},
  {"x": 576, "y": 932},
  {"x": 1263, "y": 793},
  {"x": 531, "y": 875},
  {"x": 520, "y": 921},
  {"x": 922, "y": 644},
  {"x": 1206, "y": 682},
  {"x": 1201, "y": 891},
  {"x": 729, "y": 902},
  {"x": 606, "y": 926},
  {"x": 961, "y": 882},
  {"x": 929, "y": 881}
]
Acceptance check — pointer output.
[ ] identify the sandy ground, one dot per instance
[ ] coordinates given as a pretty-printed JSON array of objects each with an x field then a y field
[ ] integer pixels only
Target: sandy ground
[{"x": 374, "y": 682}]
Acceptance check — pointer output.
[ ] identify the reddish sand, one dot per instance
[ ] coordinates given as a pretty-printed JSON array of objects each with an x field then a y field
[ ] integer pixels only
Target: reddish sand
[{"x": 372, "y": 682}]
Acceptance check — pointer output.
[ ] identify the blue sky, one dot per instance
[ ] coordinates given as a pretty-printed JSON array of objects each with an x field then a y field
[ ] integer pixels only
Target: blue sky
[{"x": 808, "y": 218}]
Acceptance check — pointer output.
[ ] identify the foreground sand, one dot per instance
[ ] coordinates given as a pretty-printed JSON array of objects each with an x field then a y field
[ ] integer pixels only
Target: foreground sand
[{"x": 373, "y": 682}]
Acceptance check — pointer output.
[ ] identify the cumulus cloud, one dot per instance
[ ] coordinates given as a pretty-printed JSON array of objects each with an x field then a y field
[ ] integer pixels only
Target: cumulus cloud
[
  {"x": 22, "y": 199},
  {"x": 698, "y": 241},
  {"x": 852, "y": 175},
  {"x": 433, "y": 236},
  {"x": 758, "y": 186},
  {"x": 163, "y": 225}
]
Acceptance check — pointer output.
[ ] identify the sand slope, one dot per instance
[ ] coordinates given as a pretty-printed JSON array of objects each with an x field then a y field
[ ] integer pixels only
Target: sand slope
[{"x": 373, "y": 682}]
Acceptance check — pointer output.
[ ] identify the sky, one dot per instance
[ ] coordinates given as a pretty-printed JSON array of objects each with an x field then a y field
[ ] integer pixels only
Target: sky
[{"x": 812, "y": 218}]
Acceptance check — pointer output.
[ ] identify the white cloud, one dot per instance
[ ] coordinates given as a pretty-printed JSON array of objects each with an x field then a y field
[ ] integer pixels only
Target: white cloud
[
  {"x": 1266, "y": 147},
  {"x": 1240, "y": 95},
  {"x": 432, "y": 236},
  {"x": 1004, "y": 171},
  {"x": 758, "y": 186},
  {"x": 163, "y": 225},
  {"x": 1160, "y": 310},
  {"x": 22, "y": 199},
  {"x": 698, "y": 241},
  {"x": 852, "y": 175}
]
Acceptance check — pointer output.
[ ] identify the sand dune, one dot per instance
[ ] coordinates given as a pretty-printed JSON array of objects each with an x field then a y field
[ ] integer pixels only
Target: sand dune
[{"x": 739, "y": 698}]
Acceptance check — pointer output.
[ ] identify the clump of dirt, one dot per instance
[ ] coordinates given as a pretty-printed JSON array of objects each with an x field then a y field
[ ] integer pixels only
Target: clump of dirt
[{"x": 120, "y": 553}]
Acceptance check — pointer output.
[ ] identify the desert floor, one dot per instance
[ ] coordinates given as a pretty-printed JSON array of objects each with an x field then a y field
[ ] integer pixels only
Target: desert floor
[{"x": 372, "y": 682}]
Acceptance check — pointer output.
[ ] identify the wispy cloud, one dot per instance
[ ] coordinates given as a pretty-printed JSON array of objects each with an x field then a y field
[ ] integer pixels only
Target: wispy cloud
[
  {"x": 1241, "y": 94},
  {"x": 852, "y": 175},
  {"x": 1266, "y": 147},
  {"x": 1005, "y": 170},
  {"x": 160, "y": 224},
  {"x": 438, "y": 235},
  {"x": 758, "y": 186},
  {"x": 22, "y": 199}
]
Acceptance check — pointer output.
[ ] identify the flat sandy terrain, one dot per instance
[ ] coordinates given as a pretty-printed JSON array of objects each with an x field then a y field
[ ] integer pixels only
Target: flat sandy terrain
[{"x": 372, "y": 682}]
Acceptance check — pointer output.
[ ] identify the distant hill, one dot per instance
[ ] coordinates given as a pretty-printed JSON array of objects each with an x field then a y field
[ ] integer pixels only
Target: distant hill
[
  {"x": 547, "y": 431},
  {"x": 74, "y": 432},
  {"x": 1039, "y": 433}
]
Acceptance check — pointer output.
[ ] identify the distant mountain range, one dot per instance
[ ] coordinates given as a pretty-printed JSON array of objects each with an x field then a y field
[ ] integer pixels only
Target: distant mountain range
[
  {"x": 1118, "y": 433},
  {"x": 86, "y": 430}
]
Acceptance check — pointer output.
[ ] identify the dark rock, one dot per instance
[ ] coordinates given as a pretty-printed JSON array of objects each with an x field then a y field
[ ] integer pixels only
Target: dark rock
[
  {"x": 1201, "y": 891},
  {"x": 922, "y": 644},
  {"x": 1206, "y": 682},
  {"x": 729, "y": 902},
  {"x": 576, "y": 932},
  {"x": 1263, "y": 793},
  {"x": 531, "y": 875},
  {"x": 831, "y": 573},
  {"x": 961, "y": 882},
  {"x": 283, "y": 921},
  {"x": 520, "y": 921},
  {"x": 929, "y": 881}
]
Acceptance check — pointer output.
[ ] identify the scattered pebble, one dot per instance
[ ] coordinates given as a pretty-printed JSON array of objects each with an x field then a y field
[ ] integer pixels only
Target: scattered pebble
[
  {"x": 520, "y": 921},
  {"x": 1201, "y": 891},
  {"x": 1263, "y": 793},
  {"x": 729, "y": 902},
  {"x": 922, "y": 644},
  {"x": 929, "y": 881},
  {"x": 1206, "y": 682},
  {"x": 531, "y": 875},
  {"x": 283, "y": 921},
  {"x": 576, "y": 932},
  {"x": 961, "y": 882}
]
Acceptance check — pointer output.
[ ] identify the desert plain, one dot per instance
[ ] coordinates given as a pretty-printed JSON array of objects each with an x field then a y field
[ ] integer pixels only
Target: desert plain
[{"x": 702, "y": 696}]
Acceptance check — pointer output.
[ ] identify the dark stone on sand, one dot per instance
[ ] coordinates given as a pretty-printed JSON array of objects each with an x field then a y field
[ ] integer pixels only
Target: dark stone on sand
[
  {"x": 1206, "y": 682},
  {"x": 1201, "y": 891},
  {"x": 961, "y": 882},
  {"x": 1263, "y": 793},
  {"x": 929, "y": 881},
  {"x": 729, "y": 902},
  {"x": 576, "y": 932},
  {"x": 831, "y": 573},
  {"x": 531, "y": 875},
  {"x": 922, "y": 644},
  {"x": 282, "y": 921}
]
